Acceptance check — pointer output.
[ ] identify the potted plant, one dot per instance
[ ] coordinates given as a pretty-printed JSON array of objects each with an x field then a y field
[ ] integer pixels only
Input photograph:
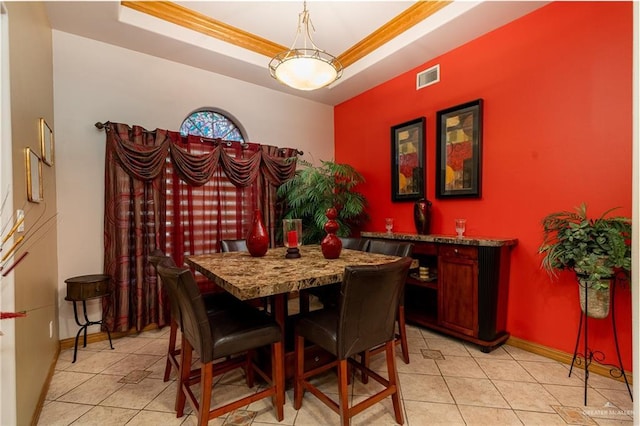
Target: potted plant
[
  {"x": 595, "y": 249},
  {"x": 314, "y": 189}
]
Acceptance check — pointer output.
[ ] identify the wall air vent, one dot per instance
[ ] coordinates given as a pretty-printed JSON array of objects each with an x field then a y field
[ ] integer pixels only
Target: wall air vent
[{"x": 428, "y": 77}]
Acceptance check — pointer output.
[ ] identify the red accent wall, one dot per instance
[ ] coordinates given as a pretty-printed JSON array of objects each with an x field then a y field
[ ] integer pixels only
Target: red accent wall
[{"x": 556, "y": 85}]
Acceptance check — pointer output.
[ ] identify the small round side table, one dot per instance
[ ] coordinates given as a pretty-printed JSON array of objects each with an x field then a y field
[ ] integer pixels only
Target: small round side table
[{"x": 81, "y": 289}]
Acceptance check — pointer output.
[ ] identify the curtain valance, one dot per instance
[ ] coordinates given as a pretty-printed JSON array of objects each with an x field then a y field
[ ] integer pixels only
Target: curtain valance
[{"x": 145, "y": 161}]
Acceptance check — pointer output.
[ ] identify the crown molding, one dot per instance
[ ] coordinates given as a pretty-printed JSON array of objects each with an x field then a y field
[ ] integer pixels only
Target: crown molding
[
  {"x": 187, "y": 18},
  {"x": 413, "y": 15}
]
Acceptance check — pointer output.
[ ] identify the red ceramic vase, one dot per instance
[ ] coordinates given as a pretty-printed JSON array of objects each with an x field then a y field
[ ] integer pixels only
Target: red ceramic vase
[
  {"x": 331, "y": 245},
  {"x": 257, "y": 239}
]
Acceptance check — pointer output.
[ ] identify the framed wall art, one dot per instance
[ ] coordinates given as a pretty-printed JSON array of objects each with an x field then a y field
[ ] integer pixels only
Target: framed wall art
[
  {"x": 46, "y": 142},
  {"x": 33, "y": 166},
  {"x": 407, "y": 160},
  {"x": 459, "y": 151}
]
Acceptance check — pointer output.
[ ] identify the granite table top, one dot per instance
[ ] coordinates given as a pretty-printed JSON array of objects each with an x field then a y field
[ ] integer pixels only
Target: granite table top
[
  {"x": 248, "y": 277},
  {"x": 444, "y": 239}
]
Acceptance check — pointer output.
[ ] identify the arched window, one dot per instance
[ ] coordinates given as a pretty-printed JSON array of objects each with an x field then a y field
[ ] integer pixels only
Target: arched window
[
  {"x": 212, "y": 124},
  {"x": 198, "y": 217}
]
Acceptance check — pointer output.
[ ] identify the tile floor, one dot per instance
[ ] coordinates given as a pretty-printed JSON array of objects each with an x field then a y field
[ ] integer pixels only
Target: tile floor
[{"x": 447, "y": 382}]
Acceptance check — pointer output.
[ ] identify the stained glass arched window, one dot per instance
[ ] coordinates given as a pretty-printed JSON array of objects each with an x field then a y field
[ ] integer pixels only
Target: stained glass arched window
[
  {"x": 218, "y": 210},
  {"x": 212, "y": 124}
]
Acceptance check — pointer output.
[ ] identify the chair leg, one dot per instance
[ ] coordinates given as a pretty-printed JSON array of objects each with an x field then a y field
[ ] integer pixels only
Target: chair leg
[
  {"x": 402, "y": 329},
  {"x": 365, "y": 359},
  {"x": 206, "y": 384},
  {"x": 183, "y": 375},
  {"x": 249, "y": 368},
  {"x": 298, "y": 389},
  {"x": 390, "y": 349},
  {"x": 171, "y": 352},
  {"x": 277, "y": 378},
  {"x": 343, "y": 393}
]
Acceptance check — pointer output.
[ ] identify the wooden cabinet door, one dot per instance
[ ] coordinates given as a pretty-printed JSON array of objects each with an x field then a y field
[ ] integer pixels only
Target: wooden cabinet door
[{"x": 458, "y": 293}]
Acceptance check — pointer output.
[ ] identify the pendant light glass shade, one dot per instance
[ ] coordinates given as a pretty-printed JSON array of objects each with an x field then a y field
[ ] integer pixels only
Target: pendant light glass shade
[{"x": 305, "y": 68}]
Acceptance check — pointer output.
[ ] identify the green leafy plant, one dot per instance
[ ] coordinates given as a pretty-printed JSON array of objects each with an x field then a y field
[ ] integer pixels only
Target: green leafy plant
[
  {"x": 314, "y": 189},
  {"x": 594, "y": 248}
]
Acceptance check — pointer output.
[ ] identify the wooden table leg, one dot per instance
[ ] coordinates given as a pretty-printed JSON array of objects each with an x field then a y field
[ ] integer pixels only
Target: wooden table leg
[{"x": 280, "y": 310}]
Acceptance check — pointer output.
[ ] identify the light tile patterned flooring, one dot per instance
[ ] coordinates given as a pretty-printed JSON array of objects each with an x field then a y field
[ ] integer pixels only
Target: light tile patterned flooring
[{"x": 447, "y": 382}]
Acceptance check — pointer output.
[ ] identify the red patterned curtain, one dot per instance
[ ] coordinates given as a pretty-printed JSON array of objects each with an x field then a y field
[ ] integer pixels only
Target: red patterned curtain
[{"x": 182, "y": 195}]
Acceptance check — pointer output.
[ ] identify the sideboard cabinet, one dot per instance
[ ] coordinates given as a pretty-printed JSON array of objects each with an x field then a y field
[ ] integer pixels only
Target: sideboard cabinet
[{"x": 465, "y": 295}]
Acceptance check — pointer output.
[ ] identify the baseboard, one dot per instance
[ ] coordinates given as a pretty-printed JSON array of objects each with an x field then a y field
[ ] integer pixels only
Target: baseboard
[
  {"x": 100, "y": 336},
  {"x": 564, "y": 357}
]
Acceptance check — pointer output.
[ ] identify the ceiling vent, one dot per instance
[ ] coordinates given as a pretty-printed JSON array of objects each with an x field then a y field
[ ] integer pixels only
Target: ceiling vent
[{"x": 428, "y": 77}]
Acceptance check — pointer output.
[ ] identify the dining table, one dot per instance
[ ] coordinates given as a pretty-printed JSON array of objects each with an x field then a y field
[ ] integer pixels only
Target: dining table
[{"x": 275, "y": 276}]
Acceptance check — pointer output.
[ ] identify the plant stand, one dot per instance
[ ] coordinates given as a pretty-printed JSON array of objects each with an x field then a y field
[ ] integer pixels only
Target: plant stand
[
  {"x": 81, "y": 289},
  {"x": 589, "y": 355}
]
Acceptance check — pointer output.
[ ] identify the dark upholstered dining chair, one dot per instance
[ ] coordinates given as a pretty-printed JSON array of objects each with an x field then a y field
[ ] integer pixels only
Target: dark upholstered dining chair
[
  {"x": 233, "y": 245},
  {"x": 401, "y": 249},
  {"x": 365, "y": 318},
  {"x": 214, "y": 302},
  {"x": 157, "y": 257},
  {"x": 217, "y": 336},
  {"x": 328, "y": 294},
  {"x": 354, "y": 243}
]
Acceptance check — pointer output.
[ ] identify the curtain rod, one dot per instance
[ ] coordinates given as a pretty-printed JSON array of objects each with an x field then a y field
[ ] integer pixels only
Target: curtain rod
[
  {"x": 106, "y": 124},
  {"x": 102, "y": 126}
]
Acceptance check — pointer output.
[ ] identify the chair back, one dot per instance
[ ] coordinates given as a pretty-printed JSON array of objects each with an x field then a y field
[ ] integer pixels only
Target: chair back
[
  {"x": 157, "y": 257},
  {"x": 390, "y": 248},
  {"x": 369, "y": 299},
  {"x": 195, "y": 321},
  {"x": 233, "y": 245},
  {"x": 354, "y": 243}
]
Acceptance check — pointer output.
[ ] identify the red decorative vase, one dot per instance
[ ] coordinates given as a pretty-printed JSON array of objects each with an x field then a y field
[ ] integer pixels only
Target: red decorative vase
[
  {"x": 331, "y": 245},
  {"x": 257, "y": 238}
]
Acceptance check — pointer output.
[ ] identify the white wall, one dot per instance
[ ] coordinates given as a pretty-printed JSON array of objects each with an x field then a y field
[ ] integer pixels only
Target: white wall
[{"x": 97, "y": 82}]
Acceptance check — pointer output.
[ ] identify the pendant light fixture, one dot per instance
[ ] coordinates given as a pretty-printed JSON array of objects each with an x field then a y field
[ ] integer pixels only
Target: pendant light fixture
[{"x": 306, "y": 67}]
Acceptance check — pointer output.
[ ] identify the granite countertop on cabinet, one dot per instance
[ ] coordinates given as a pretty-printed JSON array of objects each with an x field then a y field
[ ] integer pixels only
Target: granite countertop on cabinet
[{"x": 444, "y": 239}]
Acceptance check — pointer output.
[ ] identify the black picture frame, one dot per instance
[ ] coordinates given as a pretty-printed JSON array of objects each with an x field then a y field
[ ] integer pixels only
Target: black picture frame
[
  {"x": 459, "y": 151},
  {"x": 407, "y": 160}
]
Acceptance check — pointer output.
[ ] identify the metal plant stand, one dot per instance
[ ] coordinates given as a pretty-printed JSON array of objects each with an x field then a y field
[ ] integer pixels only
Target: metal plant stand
[{"x": 589, "y": 355}]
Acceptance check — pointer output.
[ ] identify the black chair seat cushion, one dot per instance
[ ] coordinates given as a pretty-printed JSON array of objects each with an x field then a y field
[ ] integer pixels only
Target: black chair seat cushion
[
  {"x": 320, "y": 327},
  {"x": 238, "y": 330}
]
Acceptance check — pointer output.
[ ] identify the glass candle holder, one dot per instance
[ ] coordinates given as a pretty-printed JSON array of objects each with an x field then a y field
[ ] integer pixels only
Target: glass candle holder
[
  {"x": 461, "y": 225},
  {"x": 292, "y": 232},
  {"x": 388, "y": 224}
]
